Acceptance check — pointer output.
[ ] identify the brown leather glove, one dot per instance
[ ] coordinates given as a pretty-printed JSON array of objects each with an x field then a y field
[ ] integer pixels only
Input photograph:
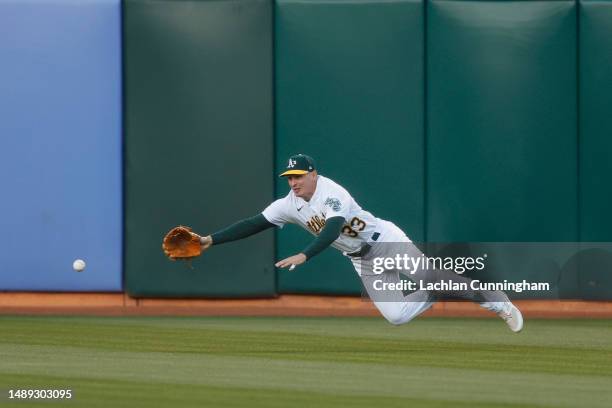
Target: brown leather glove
[{"x": 181, "y": 243}]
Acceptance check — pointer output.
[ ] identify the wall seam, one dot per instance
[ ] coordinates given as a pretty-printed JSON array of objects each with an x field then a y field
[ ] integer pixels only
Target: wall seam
[
  {"x": 578, "y": 120},
  {"x": 425, "y": 124}
]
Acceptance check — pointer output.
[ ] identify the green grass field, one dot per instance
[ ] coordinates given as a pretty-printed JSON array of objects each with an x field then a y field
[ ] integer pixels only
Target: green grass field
[{"x": 322, "y": 362}]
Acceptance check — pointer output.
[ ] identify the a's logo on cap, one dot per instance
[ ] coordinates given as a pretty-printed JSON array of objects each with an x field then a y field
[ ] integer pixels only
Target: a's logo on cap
[{"x": 291, "y": 163}]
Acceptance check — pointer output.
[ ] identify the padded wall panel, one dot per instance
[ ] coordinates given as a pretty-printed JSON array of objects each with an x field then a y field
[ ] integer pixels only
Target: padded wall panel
[
  {"x": 595, "y": 120},
  {"x": 349, "y": 92},
  {"x": 198, "y": 142},
  {"x": 60, "y": 145},
  {"x": 502, "y": 121},
  {"x": 595, "y": 280}
]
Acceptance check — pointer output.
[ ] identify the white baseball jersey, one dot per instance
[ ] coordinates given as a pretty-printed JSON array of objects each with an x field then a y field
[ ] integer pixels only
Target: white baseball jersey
[{"x": 329, "y": 200}]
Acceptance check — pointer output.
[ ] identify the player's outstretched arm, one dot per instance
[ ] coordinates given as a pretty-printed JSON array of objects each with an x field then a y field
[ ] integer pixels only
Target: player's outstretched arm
[
  {"x": 238, "y": 230},
  {"x": 328, "y": 234}
]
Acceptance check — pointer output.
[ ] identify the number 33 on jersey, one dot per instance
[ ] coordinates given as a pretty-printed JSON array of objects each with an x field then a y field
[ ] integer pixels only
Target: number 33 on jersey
[{"x": 329, "y": 200}]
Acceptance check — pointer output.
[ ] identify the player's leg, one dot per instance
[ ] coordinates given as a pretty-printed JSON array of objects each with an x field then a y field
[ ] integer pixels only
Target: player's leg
[
  {"x": 490, "y": 300},
  {"x": 396, "y": 307},
  {"x": 495, "y": 301},
  {"x": 410, "y": 306}
]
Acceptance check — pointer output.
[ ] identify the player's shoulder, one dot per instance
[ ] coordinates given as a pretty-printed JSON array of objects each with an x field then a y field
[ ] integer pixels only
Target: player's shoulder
[
  {"x": 282, "y": 207},
  {"x": 289, "y": 201},
  {"x": 330, "y": 186}
]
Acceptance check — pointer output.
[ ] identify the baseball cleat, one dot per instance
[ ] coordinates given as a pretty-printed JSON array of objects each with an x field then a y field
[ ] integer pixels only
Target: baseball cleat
[{"x": 512, "y": 316}]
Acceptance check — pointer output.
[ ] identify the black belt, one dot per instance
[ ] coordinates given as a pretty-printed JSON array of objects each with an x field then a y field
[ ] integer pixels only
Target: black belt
[{"x": 365, "y": 248}]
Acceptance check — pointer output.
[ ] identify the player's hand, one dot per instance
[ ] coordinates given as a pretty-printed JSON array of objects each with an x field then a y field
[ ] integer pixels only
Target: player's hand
[
  {"x": 205, "y": 242},
  {"x": 292, "y": 261}
]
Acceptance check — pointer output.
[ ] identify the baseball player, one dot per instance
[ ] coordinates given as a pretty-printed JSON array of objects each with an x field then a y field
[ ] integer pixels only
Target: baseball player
[{"x": 331, "y": 214}]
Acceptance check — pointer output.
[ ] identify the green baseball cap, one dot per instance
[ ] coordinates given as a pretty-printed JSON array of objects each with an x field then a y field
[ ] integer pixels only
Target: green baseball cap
[{"x": 299, "y": 164}]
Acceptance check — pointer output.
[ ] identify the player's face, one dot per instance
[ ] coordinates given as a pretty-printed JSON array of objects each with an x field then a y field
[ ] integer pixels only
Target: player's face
[{"x": 303, "y": 185}]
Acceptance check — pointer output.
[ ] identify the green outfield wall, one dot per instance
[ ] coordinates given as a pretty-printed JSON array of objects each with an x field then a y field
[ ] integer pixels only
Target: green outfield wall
[
  {"x": 502, "y": 120},
  {"x": 456, "y": 120},
  {"x": 199, "y": 147},
  {"x": 595, "y": 137},
  {"x": 595, "y": 146},
  {"x": 501, "y": 137}
]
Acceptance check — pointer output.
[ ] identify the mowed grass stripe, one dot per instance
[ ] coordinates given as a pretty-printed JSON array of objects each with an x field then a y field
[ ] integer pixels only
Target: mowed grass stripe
[
  {"x": 574, "y": 333},
  {"x": 113, "y": 393},
  {"x": 450, "y": 349},
  {"x": 162, "y": 369}
]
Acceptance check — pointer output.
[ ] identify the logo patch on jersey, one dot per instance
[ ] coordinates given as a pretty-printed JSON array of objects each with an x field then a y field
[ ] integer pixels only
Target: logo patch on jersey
[{"x": 334, "y": 203}]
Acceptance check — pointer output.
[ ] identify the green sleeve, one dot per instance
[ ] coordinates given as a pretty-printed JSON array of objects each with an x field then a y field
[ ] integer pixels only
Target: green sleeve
[
  {"x": 241, "y": 229},
  {"x": 328, "y": 234}
]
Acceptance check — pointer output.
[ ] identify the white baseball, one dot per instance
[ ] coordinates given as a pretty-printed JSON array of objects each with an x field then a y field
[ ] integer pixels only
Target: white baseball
[
  {"x": 292, "y": 267},
  {"x": 78, "y": 265}
]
